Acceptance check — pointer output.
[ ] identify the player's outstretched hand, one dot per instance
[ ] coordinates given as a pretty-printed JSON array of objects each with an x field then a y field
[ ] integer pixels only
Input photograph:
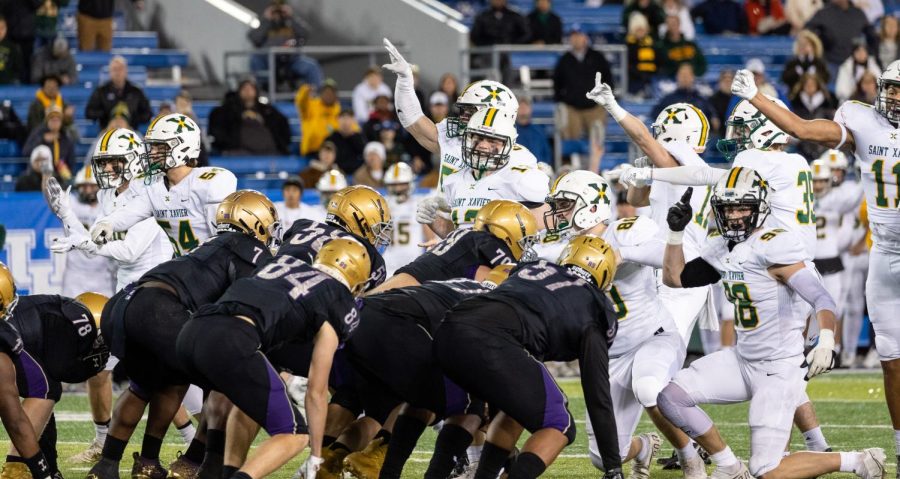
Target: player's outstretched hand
[
  {"x": 102, "y": 232},
  {"x": 821, "y": 359},
  {"x": 310, "y": 467},
  {"x": 64, "y": 244},
  {"x": 744, "y": 85},
  {"x": 57, "y": 198},
  {"x": 680, "y": 213},
  {"x": 398, "y": 64},
  {"x": 602, "y": 94},
  {"x": 428, "y": 209}
]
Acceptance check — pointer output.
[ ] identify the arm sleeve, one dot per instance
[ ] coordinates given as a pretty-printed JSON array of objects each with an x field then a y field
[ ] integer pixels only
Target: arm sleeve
[
  {"x": 594, "y": 362},
  {"x": 809, "y": 286},
  {"x": 137, "y": 209},
  {"x": 698, "y": 272},
  {"x": 136, "y": 242},
  {"x": 695, "y": 175},
  {"x": 649, "y": 253}
]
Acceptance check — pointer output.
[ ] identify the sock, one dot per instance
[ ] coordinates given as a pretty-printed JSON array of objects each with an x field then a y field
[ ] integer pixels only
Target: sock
[
  {"x": 686, "y": 453},
  {"x": 15, "y": 459},
  {"x": 229, "y": 471},
  {"x": 815, "y": 440},
  {"x": 407, "y": 431},
  {"x": 850, "y": 461},
  {"x": 337, "y": 446},
  {"x": 474, "y": 453},
  {"x": 239, "y": 475},
  {"x": 214, "y": 459},
  {"x": 724, "y": 458},
  {"x": 150, "y": 447},
  {"x": 450, "y": 443},
  {"x": 114, "y": 448},
  {"x": 187, "y": 432},
  {"x": 645, "y": 449},
  {"x": 492, "y": 460},
  {"x": 100, "y": 431},
  {"x": 328, "y": 440},
  {"x": 386, "y": 435},
  {"x": 527, "y": 466},
  {"x": 195, "y": 451},
  {"x": 897, "y": 441},
  {"x": 38, "y": 466}
]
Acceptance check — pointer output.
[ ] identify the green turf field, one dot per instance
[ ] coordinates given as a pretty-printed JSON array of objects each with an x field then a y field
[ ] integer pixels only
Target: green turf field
[{"x": 850, "y": 406}]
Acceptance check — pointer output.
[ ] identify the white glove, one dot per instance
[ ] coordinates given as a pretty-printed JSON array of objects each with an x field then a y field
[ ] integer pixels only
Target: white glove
[
  {"x": 744, "y": 85},
  {"x": 47, "y": 168},
  {"x": 58, "y": 199},
  {"x": 310, "y": 467},
  {"x": 429, "y": 208},
  {"x": 398, "y": 64},
  {"x": 102, "y": 232},
  {"x": 602, "y": 95},
  {"x": 64, "y": 244},
  {"x": 636, "y": 177},
  {"x": 821, "y": 358}
]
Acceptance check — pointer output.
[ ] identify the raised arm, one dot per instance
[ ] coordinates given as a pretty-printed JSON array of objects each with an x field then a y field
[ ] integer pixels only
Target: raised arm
[
  {"x": 409, "y": 111},
  {"x": 691, "y": 175},
  {"x": 827, "y": 132}
]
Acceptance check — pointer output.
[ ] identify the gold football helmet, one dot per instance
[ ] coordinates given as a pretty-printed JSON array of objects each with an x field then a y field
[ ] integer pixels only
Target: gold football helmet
[
  {"x": 510, "y": 221},
  {"x": 362, "y": 211},
  {"x": 252, "y": 213},
  {"x": 591, "y": 258},
  {"x": 8, "y": 296},
  {"x": 499, "y": 274},
  {"x": 346, "y": 260},
  {"x": 94, "y": 302}
]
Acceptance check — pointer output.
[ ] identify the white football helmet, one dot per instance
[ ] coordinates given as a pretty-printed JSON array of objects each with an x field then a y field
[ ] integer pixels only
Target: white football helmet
[
  {"x": 578, "y": 201},
  {"x": 176, "y": 138},
  {"x": 86, "y": 185},
  {"x": 399, "y": 180},
  {"x": 330, "y": 183},
  {"x": 119, "y": 156},
  {"x": 682, "y": 122},
  {"x": 822, "y": 177},
  {"x": 748, "y": 128},
  {"x": 836, "y": 159},
  {"x": 489, "y": 139},
  {"x": 475, "y": 96},
  {"x": 889, "y": 107},
  {"x": 741, "y": 187},
  {"x": 84, "y": 176}
]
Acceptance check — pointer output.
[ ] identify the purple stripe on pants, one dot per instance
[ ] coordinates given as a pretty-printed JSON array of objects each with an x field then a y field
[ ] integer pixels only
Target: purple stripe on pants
[
  {"x": 35, "y": 378},
  {"x": 456, "y": 400},
  {"x": 279, "y": 410},
  {"x": 556, "y": 416}
]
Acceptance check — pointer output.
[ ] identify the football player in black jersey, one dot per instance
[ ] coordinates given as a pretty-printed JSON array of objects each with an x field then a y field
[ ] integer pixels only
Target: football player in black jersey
[
  {"x": 543, "y": 312},
  {"x": 60, "y": 342},
  {"x": 143, "y": 322},
  {"x": 503, "y": 232},
  {"x": 224, "y": 347}
]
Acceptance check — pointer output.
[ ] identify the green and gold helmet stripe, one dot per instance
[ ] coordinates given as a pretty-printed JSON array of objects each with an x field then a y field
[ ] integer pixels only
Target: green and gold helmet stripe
[
  {"x": 153, "y": 123},
  {"x": 733, "y": 177},
  {"x": 104, "y": 142},
  {"x": 489, "y": 118},
  {"x": 704, "y": 129}
]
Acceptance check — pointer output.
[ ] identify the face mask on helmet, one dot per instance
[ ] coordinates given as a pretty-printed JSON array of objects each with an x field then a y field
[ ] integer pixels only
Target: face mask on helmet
[
  {"x": 737, "y": 136},
  {"x": 739, "y": 204},
  {"x": 459, "y": 118},
  {"x": 888, "y": 100},
  {"x": 119, "y": 156},
  {"x": 485, "y": 151},
  {"x": 173, "y": 140}
]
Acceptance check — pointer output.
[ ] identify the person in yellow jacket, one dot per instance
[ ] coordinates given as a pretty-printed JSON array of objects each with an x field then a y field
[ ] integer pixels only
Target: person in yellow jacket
[{"x": 318, "y": 115}]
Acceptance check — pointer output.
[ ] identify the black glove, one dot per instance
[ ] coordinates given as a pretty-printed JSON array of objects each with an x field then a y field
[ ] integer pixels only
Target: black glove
[
  {"x": 614, "y": 474},
  {"x": 680, "y": 213}
]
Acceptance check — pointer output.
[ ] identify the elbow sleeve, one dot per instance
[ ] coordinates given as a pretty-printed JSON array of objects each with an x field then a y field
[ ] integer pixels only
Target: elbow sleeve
[{"x": 809, "y": 286}]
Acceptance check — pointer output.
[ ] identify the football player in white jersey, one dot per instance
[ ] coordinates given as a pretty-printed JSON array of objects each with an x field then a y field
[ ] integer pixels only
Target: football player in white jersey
[
  {"x": 292, "y": 208},
  {"x": 399, "y": 180},
  {"x": 181, "y": 197},
  {"x": 762, "y": 270},
  {"x": 873, "y": 133},
  {"x": 329, "y": 183}
]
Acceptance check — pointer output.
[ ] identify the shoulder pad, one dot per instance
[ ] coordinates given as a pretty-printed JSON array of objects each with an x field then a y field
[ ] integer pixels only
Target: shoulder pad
[
  {"x": 634, "y": 230},
  {"x": 780, "y": 246}
]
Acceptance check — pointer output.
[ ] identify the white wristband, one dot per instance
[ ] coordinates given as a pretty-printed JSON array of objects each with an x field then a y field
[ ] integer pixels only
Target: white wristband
[
  {"x": 617, "y": 112},
  {"x": 405, "y": 101},
  {"x": 675, "y": 237}
]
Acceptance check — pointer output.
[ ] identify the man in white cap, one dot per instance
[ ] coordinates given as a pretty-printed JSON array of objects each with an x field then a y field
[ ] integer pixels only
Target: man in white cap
[{"x": 371, "y": 173}]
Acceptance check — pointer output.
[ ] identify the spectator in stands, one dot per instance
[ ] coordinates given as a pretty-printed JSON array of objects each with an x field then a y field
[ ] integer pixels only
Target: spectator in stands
[
  {"x": 838, "y": 24},
  {"x": 383, "y": 111},
  {"x": 758, "y": 68},
  {"x": 318, "y": 115},
  {"x": 56, "y": 60},
  {"x": 45, "y": 22},
  {"x": 766, "y": 17},
  {"x": 164, "y": 109},
  {"x": 243, "y": 125},
  {"x": 371, "y": 173},
  {"x": 720, "y": 16},
  {"x": 852, "y": 70},
  {"x": 721, "y": 99},
  {"x": 641, "y": 55},
  {"x": 20, "y": 15},
  {"x": 678, "y": 9},
  {"x": 394, "y": 150},
  {"x": 674, "y": 50},
  {"x": 48, "y": 94},
  {"x": 11, "y": 127},
  {"x": 686, "y": 92},
  {"x": 184, "y": 104},
  {"x": 118, "y": 90},
  {"x": 348, "y": 142},
  {"x": 95, "y": 24},
  {"x": 874, "y": 9},
  {"x": 53, "y": 136},
  {"x": 40, "y": 162},
  {"x": 810, "y": 99},
  {"x": 292, "y": 208},
  {"x": 573, "y": 77},
  {"x": 278, "y": 27},
  {"x": 532, "y": 136},
  {"x": 651, "y": 10},
  {"x": 317, "y": 167},
  {"x": 866, "y": 88},
  {"x": 364, "y": 94},
  {"x": 499, "y": 24},
  {"x": 438, "y": 106},
  {"x": 449, "y": 85},
  {"x": 807, "y": 59},
  {"x": 888, "y": 40},
  {"x": 10, "y": 57},
  {"x": 798, "y": 13},
  {"x": 545, "y": 26}
]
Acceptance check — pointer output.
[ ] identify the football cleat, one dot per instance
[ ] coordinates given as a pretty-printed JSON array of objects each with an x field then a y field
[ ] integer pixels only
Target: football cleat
[
  {"x": 147, "y": 469},
  {"x": 872, "y": 463},
  {"x": 366, "y": 464},
  {"x": 694, "y": 468},
  {"x": 104, "y": 469},
  {"x": 740, "y": 473},
  {"x": 641, "y": 469},
  {"x": 183, "y": 468},
  {"x": 90, "y": 455},
  {"x": 15, "y": 470}
]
